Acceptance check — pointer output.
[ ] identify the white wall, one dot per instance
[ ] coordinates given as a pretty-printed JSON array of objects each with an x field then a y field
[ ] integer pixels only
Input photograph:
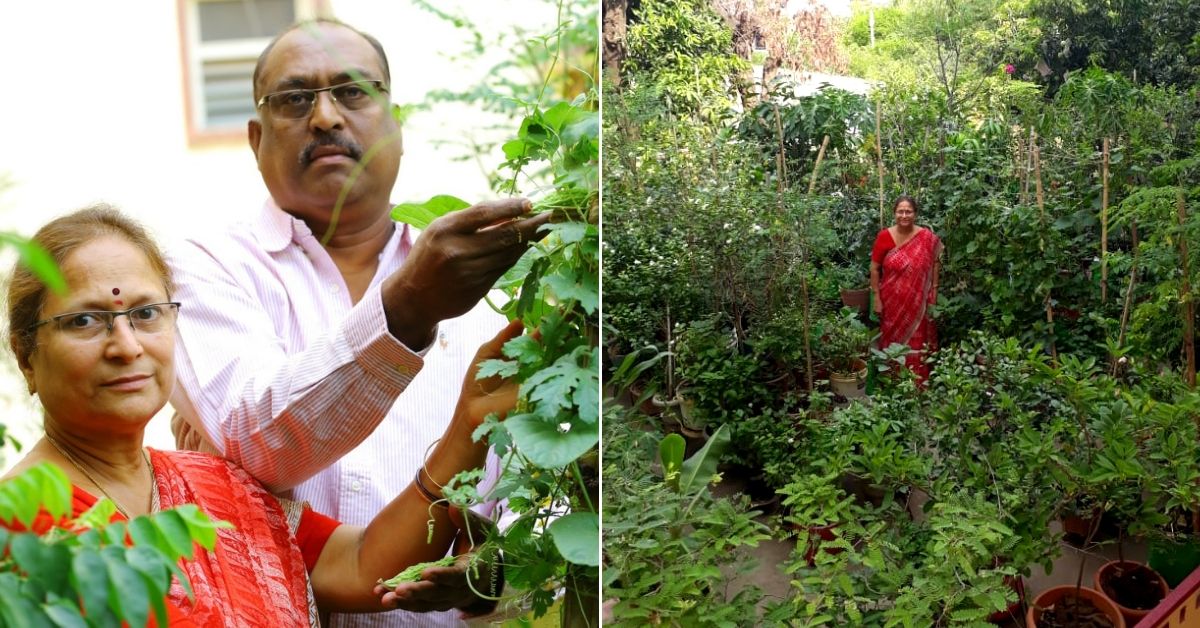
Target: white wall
[{"x": 92, "y": 109}]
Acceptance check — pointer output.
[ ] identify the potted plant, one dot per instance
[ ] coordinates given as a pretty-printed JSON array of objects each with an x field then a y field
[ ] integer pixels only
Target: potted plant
[
  {"x": 1174, "y": 488},
  {"x": 814, "y": 507},
  {"x": 843, "y": 349},
  {"x": 853, "y": 288}
]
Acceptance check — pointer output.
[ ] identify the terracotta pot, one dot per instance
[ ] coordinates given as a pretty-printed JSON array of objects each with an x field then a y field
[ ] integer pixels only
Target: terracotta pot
[
  {"x": 850, "y": 385},
  {"x": 857, "y": 299},
  {"x": 1051, "y": 596},
  {"x": 1108, "y": 571}
]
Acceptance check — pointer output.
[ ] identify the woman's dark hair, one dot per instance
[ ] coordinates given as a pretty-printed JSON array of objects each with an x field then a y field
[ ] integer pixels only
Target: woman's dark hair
[
  {"x": 911, "y": 201},
  {"x": 61, "y": 237}
]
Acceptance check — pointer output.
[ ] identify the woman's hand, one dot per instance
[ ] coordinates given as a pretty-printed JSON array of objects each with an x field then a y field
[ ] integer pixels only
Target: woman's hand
[
  {"x": 878, "y": 304},
  {"x": 481, "y": 397}
]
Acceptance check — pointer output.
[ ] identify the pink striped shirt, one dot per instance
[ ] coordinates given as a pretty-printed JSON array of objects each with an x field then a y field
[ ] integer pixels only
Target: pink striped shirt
[{"x": 285, "y": 376}]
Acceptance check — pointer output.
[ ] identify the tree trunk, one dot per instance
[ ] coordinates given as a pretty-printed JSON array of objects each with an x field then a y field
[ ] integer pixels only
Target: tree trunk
[{"x": 616, "y": 23}]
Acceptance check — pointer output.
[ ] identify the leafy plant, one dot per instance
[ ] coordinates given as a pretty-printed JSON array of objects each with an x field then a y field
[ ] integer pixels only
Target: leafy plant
[
  {"x": 548, "y": 443},
  {"x": 843, "y": 342},
  {"x": 86, "y": 562},
  {"x": 670, "y": 547}
]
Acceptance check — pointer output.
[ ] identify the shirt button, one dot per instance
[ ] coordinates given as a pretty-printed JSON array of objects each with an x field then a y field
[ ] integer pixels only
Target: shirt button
[
  {"x": 333, "y": 288},
  {"x": 356, "y": 486}
]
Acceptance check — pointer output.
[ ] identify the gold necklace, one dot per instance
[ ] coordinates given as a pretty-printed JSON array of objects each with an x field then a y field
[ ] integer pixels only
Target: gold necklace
[{"x": 100, "y": 486}]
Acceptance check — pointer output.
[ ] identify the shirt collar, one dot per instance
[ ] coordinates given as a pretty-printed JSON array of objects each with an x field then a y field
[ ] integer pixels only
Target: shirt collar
[{"x": 277, "y": 229}]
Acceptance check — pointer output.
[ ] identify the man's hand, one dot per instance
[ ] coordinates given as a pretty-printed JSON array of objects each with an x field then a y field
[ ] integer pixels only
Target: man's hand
[
  {"x": 453, "y": 265},
  {"x": 446, "y": 588}
]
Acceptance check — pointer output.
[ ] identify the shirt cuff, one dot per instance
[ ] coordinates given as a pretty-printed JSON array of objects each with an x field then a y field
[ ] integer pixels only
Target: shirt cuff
[{"x": 379, "y": 353}]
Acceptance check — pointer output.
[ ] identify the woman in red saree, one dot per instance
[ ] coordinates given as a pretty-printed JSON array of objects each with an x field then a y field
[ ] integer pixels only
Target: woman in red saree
[
  {"x": 100, "y": 357},
  {"x": 904, "y": 280}
]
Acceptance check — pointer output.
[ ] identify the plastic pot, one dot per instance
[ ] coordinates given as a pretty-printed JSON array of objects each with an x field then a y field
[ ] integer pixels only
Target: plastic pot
[
  {"x": 850, "y": 385},
  {"x": 1174, "y": 560}
]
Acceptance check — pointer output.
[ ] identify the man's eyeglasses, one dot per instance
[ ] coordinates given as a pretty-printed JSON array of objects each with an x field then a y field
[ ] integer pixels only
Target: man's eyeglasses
[
  {"x": 295, "y": 104},
  {"x": 93, "y": 325}
]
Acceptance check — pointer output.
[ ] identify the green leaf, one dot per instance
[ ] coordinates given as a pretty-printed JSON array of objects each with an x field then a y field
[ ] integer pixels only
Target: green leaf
[
  {"x": 128, "y": 595},
  {"x": 420, "y": 215},
  {"x": 670, "y": 453},
  {"x": 65, "y": 614},
  {"x": 99, "y": 515},
  {"x": 15, "y": 610},
  {"x": 38, "y": 261},
  {"x": 703, "y": 464},
  {"x": 582, "y": 287},
  {"x": 153, "y": 568},
  {"x": 503, "y": 368},
  {"x": 587, "y": 397},
  {"x": 89, "y": 578},
  {"x": 174, "y": 529},
  {"x": 577, "y": 537},
  {"x": 202, "y": 529},
  {"x": 546, "y": 445}
]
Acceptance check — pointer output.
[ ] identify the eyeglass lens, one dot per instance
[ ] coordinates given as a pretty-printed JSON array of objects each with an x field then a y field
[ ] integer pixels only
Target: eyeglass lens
[
  {"x": 298, "y": 103},
  {"x": 148, "y": 319}
]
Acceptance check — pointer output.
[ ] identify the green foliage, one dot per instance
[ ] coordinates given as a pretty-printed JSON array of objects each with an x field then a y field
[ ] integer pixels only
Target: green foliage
[
  {"x": 553, "y": 56},
  {"x": 843, "y": 341},
  {"x": 547, "y": 443},
  {"x": 84, "y": 562},
  {"x": 686, "y": 52},
  {"x": 670, "y": 550},
  {"x": 1154, "y": 38}
]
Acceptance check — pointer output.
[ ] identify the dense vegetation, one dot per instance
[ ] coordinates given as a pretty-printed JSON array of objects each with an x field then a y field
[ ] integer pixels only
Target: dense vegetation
[{"x": 1055, "y": 154}]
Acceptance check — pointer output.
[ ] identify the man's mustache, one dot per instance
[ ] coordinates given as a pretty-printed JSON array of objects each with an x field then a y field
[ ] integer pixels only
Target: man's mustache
[{"x": 353, "y": 150}]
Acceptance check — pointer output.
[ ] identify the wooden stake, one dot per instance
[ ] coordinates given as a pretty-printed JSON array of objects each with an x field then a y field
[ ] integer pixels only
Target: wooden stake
[
  {"x": 879, "y": 160},
  {"x": 1128, "y": 291},
  {"x": 808, "y": 364},
  {"x": 1104, "y": 226},
  {"x": 812, "y": 184},
  {"x": 1185, "y": 292}
]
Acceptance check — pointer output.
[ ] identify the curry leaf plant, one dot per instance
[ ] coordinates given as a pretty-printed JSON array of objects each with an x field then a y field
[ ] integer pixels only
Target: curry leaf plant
[
  {"x": 86, "y": 562},
  {"x": 548, "y": 443}
]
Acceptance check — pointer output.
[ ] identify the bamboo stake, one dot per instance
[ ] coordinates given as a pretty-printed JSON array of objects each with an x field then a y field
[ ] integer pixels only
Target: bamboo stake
[
  {"x": 1185, "y": 291},
  {"x": 1029, "y": 164},
  {"x": 803, "y": 249},
  {"x": 1041, "y": 201},
  {"x": 1128, "y": 291},
  {"x": 1104, "y": 227},
  {"x": 804, "y": 265},
  {"x": 812, "y": 184},
  {"x": 879, "y": 160}
]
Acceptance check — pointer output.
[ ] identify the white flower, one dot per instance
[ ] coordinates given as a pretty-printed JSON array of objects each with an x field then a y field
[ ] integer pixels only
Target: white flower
[{"x": 564, "y": 427}]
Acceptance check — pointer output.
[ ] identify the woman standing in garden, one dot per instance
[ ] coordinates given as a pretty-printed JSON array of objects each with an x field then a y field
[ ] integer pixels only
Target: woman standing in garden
[{"x": 904, "y": 280}]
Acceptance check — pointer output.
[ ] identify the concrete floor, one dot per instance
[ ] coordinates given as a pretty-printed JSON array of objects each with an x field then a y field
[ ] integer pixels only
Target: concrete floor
[{"x": 770, "y": 555}]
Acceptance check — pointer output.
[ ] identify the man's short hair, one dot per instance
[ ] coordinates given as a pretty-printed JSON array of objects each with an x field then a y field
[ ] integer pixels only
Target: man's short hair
[{"x": 262, "y": 58}]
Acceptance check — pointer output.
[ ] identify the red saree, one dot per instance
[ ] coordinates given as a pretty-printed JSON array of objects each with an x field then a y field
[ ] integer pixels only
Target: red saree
[{"x": 906, "y": 291}]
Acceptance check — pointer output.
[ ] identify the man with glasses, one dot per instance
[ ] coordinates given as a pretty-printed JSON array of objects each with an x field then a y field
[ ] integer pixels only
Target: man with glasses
[{"x": 322, "y": 345}]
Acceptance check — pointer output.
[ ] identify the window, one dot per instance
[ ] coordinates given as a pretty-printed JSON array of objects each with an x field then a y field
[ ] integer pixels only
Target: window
[{"x": 221, "y": 43}]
